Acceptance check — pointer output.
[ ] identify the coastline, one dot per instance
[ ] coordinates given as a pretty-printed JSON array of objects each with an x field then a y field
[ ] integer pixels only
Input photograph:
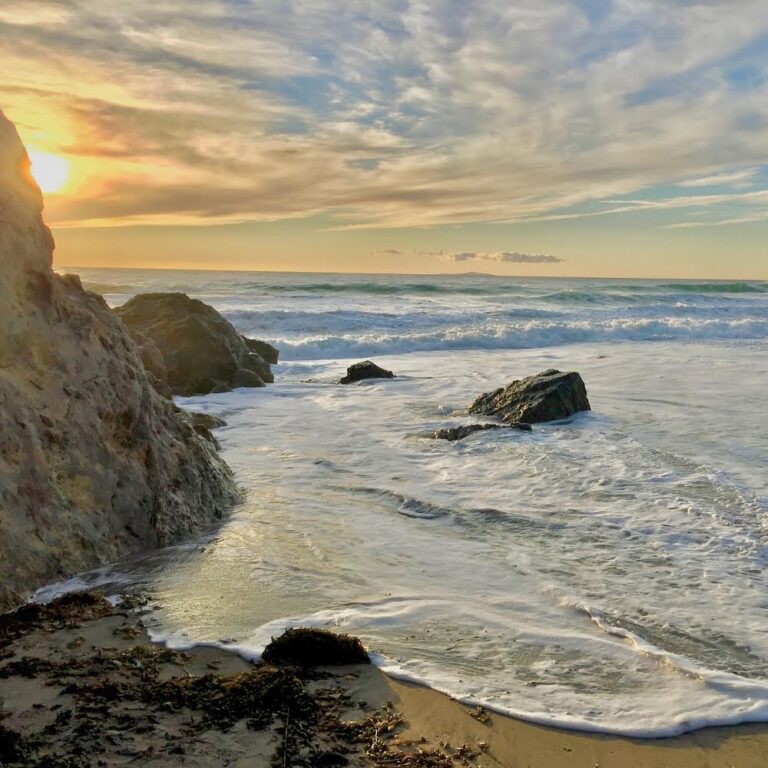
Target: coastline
[{"x": 86, "y": 658}]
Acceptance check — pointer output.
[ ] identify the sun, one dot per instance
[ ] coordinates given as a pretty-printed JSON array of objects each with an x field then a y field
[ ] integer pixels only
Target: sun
[{"x": 49, "y": 171}]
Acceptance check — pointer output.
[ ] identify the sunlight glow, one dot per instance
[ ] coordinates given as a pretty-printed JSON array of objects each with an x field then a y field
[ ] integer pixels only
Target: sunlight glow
[{"x": 49, "y": 171}]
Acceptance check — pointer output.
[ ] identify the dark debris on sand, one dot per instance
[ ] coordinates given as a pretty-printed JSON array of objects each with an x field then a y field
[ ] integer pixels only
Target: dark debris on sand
[
  {"x": 308, "y": 647},
  {"x": 66, "y": 611},
  {"x": 139, "y": 704}
]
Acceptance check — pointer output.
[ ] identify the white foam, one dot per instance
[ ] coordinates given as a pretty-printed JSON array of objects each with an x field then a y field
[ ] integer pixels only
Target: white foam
[{"x": 604, "y": 574}]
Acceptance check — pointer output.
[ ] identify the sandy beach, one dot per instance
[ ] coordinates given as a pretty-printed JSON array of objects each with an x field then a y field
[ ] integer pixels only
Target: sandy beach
[{"x": 81, "y": 684}]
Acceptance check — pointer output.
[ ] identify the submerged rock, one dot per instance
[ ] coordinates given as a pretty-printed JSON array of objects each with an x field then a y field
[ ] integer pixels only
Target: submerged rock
[
  {"x": 315, "y": 648},
  {"x": 201, "y": 352},
  {"x": 365, "y": 370},
  {"x": 459, "y": 433},
  {"x": 94, "y": 463},
  {"x": 548, "y": 396}
]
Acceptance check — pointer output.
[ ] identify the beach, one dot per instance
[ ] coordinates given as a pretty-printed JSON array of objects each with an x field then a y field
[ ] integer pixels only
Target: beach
[
  {"x": 383, "y": 384},
  {"x": 67, "y": 678}
]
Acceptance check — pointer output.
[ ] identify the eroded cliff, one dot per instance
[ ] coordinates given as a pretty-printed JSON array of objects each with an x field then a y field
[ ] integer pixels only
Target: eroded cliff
[{"x": 93, "y": 462}]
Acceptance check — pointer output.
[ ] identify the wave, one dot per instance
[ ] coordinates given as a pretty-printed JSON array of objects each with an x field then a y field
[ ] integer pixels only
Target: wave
[
  {"x": 525, "y": 335},
  {"x": 717, "y": 287},
  {"x": 494, "y": 286},
  {"x": 375, "y": 288},
  {"x": 108, "y": 288}
]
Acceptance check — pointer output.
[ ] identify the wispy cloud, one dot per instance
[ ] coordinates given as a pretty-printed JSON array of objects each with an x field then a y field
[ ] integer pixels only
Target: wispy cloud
[
  {"x": 736, "y": 178},
  {"x": 392, "y": 114}
]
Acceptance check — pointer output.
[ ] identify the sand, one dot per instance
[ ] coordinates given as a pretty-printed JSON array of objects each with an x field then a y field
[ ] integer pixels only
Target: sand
[
  {"x": 69, "y": 682},
  {"x": 520, "y": 744}
]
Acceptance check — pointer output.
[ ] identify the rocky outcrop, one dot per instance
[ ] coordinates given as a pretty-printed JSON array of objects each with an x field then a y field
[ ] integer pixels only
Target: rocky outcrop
[
  {"x": 548, "y": 396},
  {"x": 459, "y": 433},
  {"x": 190, "y": 348},
  {"x": 267, "y": 351},
  {"x": 94, "y": 463},
  {"x": 365, "y": 370}
]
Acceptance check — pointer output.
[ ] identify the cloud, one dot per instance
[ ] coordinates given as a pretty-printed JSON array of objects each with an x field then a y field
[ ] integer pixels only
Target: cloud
[
  {"x": 508, "y": 257},
  {"x": 736, "y": 178},
  {"x": 463, "y": 256},
  {"x": 400, "y": 114}
]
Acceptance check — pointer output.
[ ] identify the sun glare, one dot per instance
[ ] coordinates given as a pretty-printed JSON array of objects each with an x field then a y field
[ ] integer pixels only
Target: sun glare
[{"x": 50, "y": 171}]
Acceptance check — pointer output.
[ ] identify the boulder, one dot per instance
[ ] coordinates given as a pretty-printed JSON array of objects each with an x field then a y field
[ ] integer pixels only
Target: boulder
[
  {"x": 266, "y": 351},
  {"x": 459, "y": 433},
  {"x": 548, "y": 396},
  {"x": 94, "y": 463},
  {"x": 206, "y": 420},
  {"x": 245, "y": 378},
  {"x": 365, "y": 370},
  {"x": 201, "y": 352}
]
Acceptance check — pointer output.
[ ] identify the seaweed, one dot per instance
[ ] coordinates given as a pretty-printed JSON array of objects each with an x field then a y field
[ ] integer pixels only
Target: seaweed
[
  {"x": 66, "y": 611},
  {"x": 256, "y": 697},
  {"x": 13, "y": 746},
  {"x": 315, "y": 648},
  {"x": 111, "y": 696}
]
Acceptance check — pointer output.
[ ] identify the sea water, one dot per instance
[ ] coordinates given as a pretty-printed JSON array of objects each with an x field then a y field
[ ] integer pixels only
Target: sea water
[{"x": 606, "y": 573}]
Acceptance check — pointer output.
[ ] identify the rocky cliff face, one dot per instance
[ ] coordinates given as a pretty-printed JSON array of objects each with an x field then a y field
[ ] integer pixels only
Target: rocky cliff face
[{"x": 94, "y": 463}]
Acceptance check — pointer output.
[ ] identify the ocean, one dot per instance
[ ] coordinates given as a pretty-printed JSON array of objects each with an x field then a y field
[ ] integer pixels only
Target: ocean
[{"x": 604, "y": 574}]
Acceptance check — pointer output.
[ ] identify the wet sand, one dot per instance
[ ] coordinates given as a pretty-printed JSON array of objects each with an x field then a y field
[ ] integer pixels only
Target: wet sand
[{"x": 81, "y": 684}]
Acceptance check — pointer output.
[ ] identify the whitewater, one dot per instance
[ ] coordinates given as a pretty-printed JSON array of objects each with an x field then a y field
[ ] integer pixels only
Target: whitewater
[{"x": 603, "y": 574}]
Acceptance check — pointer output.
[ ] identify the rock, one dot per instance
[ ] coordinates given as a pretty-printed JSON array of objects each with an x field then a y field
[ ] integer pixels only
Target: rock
[
  {"x": 200, "y": 350},
  {"x": 203, "y": 423},
  {"x": 547, "y": 396},
  {"x": 94, "y": 463},
  {"x": 459, "y": 433},
  {"x": 207, "y": 420},
  {"x": 266, "y": 351},
  {"x": 153, "y": 362},
  {"x": 314, "y": 648},
  {"x": 245, "y": 378},
  {"x": 365, "y": 370}
]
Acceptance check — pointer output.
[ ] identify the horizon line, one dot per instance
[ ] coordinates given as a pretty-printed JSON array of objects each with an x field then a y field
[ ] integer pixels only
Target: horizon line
[{"x": 407, "y": 274}]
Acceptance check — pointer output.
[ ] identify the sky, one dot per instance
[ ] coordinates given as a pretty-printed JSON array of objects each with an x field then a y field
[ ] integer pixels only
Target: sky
[{"x": 548, "y": 137}]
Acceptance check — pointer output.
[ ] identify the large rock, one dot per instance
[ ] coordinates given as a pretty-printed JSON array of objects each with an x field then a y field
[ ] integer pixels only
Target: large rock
[
  {"x": 267, "y": 351},
  {"x": 201, "y": 352},
  {"x": 94, "y": 463},
  {"x": 365, "y": 370},
  {"x": 547, "y": 396}
]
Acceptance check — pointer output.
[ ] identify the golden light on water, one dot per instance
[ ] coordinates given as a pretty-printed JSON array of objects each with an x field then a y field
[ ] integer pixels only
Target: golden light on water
[{"x": 51, "y": 172}]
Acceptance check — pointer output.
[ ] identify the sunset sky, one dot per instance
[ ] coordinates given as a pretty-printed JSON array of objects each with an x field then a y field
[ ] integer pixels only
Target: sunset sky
[{"x": 552, "y": 137}]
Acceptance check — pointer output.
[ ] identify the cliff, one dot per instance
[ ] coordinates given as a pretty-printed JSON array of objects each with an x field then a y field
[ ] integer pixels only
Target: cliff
[{"x": 94, "y": 463}]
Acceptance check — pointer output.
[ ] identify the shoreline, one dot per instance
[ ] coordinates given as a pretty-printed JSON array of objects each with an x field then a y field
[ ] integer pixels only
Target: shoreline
[{"x": 82, "y": 683}]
